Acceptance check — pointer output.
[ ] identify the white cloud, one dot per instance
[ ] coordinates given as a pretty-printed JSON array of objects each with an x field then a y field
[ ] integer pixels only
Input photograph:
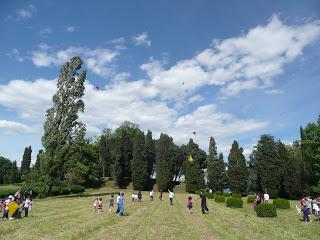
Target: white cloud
[
  {"x": 14, "y": 53},
  {"x": 246, "y": 62},
  {"x": 45, "y": 31},
  {"x": 71, "y": 29},
  {"x": 27, "y": 12},
  {"x": 14, "y": 128},
  {"x": 98, "y": 60},
  {"x": 195, "y": 98},
  {"x": 142, "y": 39}
]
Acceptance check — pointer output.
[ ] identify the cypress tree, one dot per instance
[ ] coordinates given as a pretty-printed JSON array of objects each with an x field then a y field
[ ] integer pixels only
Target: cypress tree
[
  {"x": 26, "y": 161},
  {"x": 37, "y": 164},
  {"x": 149, "y": 153},
  {"x": 268, "y": 165},
  {"x": 102, "y": 154},
  {"x": 237, "y": 169},
  {"x": 164, "y": 155},
  {"x": 15, "y": 177},
  {"x": 215, "y": 170},
  {"x": 194, "y": 175},
  {"x": 140, "y": 176}
]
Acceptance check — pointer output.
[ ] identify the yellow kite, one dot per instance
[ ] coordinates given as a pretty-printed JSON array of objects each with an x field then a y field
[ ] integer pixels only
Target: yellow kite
[{"x": 190, "y": 159}]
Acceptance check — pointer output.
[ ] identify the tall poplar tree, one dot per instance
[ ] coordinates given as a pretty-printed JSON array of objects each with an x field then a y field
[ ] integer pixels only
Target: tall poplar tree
[
  {"x": 63, "y": 132},
  {"x": 15, "y": 175},
  {"x": 215, "y": 170},
  {"x": 149, "y": 153},
  {"x": 237, "y": 169},
  {"x": 26, "y": 161}
]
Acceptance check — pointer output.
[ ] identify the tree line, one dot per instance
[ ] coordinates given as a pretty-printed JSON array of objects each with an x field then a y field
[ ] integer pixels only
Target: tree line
[{"x": 127, "y": 154}]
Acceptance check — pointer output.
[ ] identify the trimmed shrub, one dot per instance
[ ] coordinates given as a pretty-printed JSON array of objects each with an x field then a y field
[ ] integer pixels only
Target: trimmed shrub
[
  {"x": 237, "y": 195},
  {"x": 219, "y": 198},
  {"x": 65, "y": 191},
  {"x": 251, "y": 198},
  {"x": 281, "y": 203},
  {"x": 226, "y": 194},
  {"x": 266, "y": 210},
  {"x": 234, "y": 202},
  {"x": 209, "y": 195},
  {"x": 55, "y": 190},
  {"x": 76, "y": 188}
]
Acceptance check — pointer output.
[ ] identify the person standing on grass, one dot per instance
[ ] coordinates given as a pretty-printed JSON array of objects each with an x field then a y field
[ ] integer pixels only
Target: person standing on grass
[
  {"x": 95, "y": 204},
  {"x": 151, "y": 195},
  {"x": 132, "y": 197},
  {"x": 118, "y": 198},
  {"x": 100, "y": 205},
  {"x": 189, "y": 204},
  {"x": 160, "y": 195},
  {"x": 26, "y": 205},
  {"x": 171, "y": 195},
  {"x": 111, "y": 203},
  {"x": 204, "y": 207},
  {"x": 266, "y": 197},
  {"x": 121, "y": 204}
]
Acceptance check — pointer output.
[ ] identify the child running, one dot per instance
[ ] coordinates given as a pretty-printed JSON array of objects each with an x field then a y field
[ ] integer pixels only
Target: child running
[
  {"x": 100, "y": 205},
  {"x": 95, "y": 204},
  {"x": 111, "y": 203},
  {"x": 189, "y": 204}
]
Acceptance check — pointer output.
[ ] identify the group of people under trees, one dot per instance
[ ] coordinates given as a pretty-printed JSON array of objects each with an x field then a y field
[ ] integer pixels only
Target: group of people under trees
[
  {"x": 98, "y": 203},
  {"x": 260, "y": 198},
  {"x": 310, "y": 206},
  {"x": 11, "y": 207}
]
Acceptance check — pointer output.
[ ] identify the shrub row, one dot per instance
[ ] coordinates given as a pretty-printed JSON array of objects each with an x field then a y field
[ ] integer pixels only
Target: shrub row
[
  {"x": 237, "y": 195},
  {"x": 219, "y": 198},
  {"x": 58, "y": 190},
  {"x": 281, "y": 203},
  {"x": 209, "y": 195},
  {"x": 266, "y": 210},
  {"x": 234, "y": 202}
]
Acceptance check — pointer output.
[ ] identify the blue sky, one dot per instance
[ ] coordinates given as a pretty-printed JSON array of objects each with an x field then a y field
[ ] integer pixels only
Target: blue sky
[{"x": 231, "y": 69}]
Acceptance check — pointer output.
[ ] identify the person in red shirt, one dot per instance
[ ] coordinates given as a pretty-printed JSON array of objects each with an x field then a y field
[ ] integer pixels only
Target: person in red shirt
[{"x": 189, "y": 204}]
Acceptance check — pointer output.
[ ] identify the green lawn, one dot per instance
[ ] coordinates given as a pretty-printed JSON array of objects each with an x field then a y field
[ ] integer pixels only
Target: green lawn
[{"x": 73, "y": 218}]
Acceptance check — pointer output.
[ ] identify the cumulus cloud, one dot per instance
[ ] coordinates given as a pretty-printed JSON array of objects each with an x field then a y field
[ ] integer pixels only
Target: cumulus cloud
[
  {"x": 45, "y": 31},
  {"x": 14, "y": 128},
  {"x": 98, "y": 60},
  {"x": 142, "y": 39},
  {"x": 246, "y": 62}
]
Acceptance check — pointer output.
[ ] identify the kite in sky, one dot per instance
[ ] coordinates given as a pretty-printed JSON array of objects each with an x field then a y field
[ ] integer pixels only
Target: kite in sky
[{"x": 97, "y": 88}]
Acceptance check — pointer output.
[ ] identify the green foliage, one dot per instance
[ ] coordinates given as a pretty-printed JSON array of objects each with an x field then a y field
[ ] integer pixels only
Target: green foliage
[
  {"x": 251, "y": 198},
  {"x": 55, "y": 191},
  {"x": 215, "y": 170},
  {"x": 226, "y": 194},
  {"x": 63, "y": 133},
  {"x": 37, "y": 182},
  {"x": 209, "y": 195},
  {"x": 194, "y": 174},
  {"x": 149, "y": 153},
  {"x": 266, "y": 210},
  {"x": 140, "y": 176},
  {"x": 219, "y": 198},
  {"x": 234, "y": 202},
  {"x": 26, "y": 161},
  {"x": 65, "y": 191},
  {"x": 238, "y": 195},
  {"x": 76, "y": 189},
  {"x": 6, "y": 190},
  {"x": 281, "y": 203},
  {"x": 237, "y": 169},
  {"x": 164, "y": 156}
]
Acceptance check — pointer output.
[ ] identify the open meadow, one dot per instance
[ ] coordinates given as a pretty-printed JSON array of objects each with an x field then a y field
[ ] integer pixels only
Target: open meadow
[{"x": 73, "y": 218}]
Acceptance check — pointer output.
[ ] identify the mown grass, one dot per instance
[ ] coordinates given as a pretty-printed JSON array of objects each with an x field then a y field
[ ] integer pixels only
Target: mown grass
[{"x": 74, "y": 218}]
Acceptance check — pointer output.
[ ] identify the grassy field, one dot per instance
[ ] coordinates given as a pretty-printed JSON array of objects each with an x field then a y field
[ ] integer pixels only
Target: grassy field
[{"x": 74, "y": 218}]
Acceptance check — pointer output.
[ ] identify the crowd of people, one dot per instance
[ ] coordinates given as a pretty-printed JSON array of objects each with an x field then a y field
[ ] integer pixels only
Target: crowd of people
[
  {"x": 12, "y": 207},
  {"x": 310, "y": 206},
  {"x": 260, "y": 198}
]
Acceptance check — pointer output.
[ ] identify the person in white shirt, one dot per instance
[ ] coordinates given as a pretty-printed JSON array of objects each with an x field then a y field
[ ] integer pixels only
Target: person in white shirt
[
  {"x": 132, "y": 197},
  {"x": 151, "y": 195},
  {"x": 171, "y": 195},
  {"x": 26, "y": 206},
  {"x": 118, "y": 209},
  {"x": 266, "y": 197}
]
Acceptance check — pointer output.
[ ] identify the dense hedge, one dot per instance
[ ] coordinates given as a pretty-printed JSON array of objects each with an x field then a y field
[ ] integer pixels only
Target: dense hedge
[
  {"x": 226, "y": 194},
  {"x": 55, "y": 191},
  {"x": 77, "y": 188},
  {"x": 266, "y": 210},
  {"x": 234, "y": 202},
  {"x": 251, "y": 198},
  {"x": 7, "y": 190},
  {"x": 209, "y": 195},
  {"x": 219, "y": 198},
  {"x": 281, "y": 203},
  {"x": 65, "y": 191},
  {"x": 237, "y": 195}
]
